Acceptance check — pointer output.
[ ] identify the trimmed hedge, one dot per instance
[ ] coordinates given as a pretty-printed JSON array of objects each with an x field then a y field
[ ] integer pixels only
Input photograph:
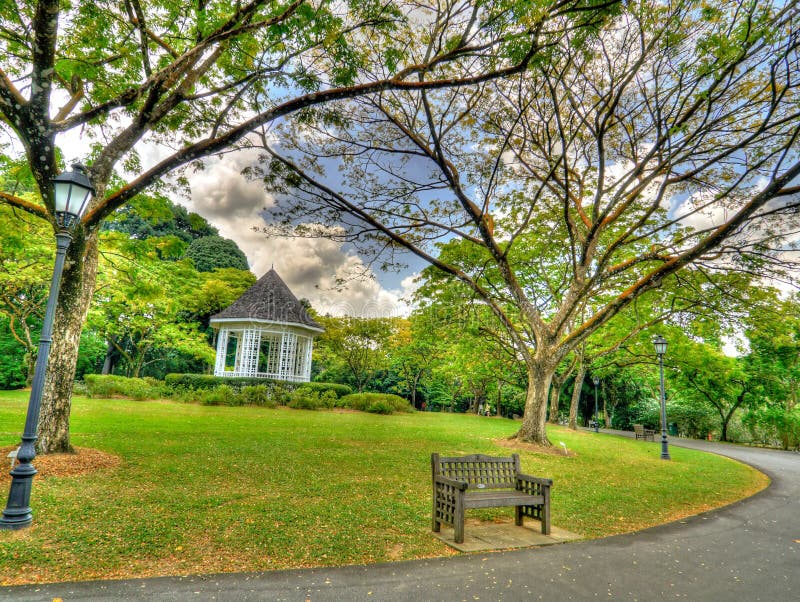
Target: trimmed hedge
[
  {"x": 110, "y": 385},
  {"x": 375, "y": 403},
  {"x": 237, "y": 383}
]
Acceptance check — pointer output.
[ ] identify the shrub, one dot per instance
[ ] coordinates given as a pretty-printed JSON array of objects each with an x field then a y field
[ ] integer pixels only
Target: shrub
[
  {"x": 258, "y": 396},
  {"x": 222, "y": 395},
  {"x": 337, "y": 389},
  {"x": 380, "y": 406},
  {"x": 281, "y": 395},
  {"x": 79, "y": 388},
  {"x": 306, "y": 398},
  {"x": 375, "y": 403},
  {"x": 109, "y": 385}
]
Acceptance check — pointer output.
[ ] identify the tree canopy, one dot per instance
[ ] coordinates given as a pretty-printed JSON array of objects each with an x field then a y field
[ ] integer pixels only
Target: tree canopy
[
  {"x": 665, "y": 137},
  {"x": 214, "y": 252},
  {"x": 192, "y": 80}
]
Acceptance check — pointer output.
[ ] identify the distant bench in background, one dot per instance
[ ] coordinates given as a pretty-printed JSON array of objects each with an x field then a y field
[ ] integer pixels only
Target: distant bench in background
[{"x": 643, "y": 433}]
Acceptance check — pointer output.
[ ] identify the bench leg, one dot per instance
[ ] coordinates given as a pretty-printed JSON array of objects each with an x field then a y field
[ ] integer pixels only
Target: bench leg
[
  {"x": 518, "y": 515},
  {"x": 545, "y": 512},
  {"x": 458, "y": 524},
  {"x": 458, "y": 529}
]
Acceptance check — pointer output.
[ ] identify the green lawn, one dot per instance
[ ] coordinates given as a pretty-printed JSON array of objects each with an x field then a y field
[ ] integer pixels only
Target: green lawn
[{"x": 210, "y": 489}]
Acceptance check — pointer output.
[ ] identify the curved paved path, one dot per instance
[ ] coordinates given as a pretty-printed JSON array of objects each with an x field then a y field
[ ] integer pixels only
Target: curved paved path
[{"x": 746, "y": 551}]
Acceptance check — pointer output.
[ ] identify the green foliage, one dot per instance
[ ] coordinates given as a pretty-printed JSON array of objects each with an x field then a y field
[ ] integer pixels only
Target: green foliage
[
  {"x": 375, "y": 403},
  {"x": 155, "y": 216},
  {"x": 99, "y": 385},
  {"x": 307, "y": 398},
  {"x": 209, "y": 381},
  {"x": 220, "y": 287},
  {"x": 225, "y": 395},
  {"x": 91, "y": 354},
  {"x": 260, "y": 395},
  {"x": 355, "y": 348},
  {"x": 26, "y": 266},
  {"x": 214, "y": 252},
  {"x": 709, "y": 379},
  {"x": 774, "y": 426},
  {"x": 12, "y": 359},
  {"x": 692, "y": 419},
  {"x": 140, "y": 307},
  {"x": 222, "y": 395}
]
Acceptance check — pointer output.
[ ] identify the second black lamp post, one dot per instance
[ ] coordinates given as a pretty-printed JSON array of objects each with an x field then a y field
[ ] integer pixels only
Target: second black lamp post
[
  {"x": 596, "y": 381},
  {"x": 660, "y": 344}
]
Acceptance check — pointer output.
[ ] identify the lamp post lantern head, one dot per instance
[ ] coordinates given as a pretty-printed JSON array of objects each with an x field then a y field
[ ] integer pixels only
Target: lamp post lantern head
[
  {"x": 73, "y": 191},
  {"x": 660, "y": 344},
  {"x": 596, "y": 380}
]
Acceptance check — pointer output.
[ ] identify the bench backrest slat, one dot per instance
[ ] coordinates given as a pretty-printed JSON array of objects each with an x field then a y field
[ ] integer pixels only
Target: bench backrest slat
[{"x": 478, "y": 470}]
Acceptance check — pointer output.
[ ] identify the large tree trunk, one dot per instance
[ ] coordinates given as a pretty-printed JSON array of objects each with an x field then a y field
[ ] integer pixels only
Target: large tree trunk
[
  {"x": 108, "y": 363},
  {"x": 576, "y": 395},
  {"x": 77, "y": 286},
  {"x": 724, "y": 434},
  {"x": 540, "y": 374},
  {"x": 555, "y": 397}
]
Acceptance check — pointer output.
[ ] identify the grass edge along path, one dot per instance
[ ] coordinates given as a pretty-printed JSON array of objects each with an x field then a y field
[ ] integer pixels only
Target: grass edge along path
[{"x": 213, "y": 489}]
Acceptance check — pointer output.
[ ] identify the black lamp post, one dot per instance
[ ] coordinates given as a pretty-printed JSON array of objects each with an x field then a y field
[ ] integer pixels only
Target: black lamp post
[
  {"x": 660, "y": 344},
  {"x": 73, "y": 191},
  {"x": 596, "y": 381}
]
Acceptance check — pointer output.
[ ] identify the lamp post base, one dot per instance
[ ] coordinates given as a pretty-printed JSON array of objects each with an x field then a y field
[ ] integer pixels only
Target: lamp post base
[
  {"x": 664, "y": 448},
  {"x": 18, "y": 514}
]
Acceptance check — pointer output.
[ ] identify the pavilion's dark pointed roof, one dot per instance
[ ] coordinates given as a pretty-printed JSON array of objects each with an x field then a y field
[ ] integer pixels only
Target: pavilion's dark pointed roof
[{"x": 268, "y": 300}]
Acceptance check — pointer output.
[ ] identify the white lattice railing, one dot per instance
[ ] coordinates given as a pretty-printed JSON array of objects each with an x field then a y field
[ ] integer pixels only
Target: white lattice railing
[{"x": 273, "y": 375}]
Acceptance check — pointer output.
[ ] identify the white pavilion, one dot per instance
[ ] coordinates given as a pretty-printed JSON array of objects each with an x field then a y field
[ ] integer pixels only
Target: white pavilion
[{"x": 265, "y": 333}]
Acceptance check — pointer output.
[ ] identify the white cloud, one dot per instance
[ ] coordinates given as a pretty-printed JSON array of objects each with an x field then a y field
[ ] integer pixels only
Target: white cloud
[
  {"x": 334, "y": 280},
  {"x": 700, "y": 212},
  {"x": 221, "y": 193}
]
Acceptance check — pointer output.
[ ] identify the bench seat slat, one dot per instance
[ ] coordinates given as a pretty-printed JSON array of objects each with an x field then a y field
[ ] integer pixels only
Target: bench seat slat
[{"x": 497, "y": 498}]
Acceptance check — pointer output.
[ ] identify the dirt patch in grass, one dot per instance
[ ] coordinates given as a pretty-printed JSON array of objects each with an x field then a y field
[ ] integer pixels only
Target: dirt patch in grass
[
  {"x": 555, "y": 450},
  {"x": 83, "y": 461}
]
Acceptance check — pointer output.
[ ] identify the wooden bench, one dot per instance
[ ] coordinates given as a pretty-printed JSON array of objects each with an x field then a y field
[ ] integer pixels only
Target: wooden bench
[
  {"x": 479, "y": 481},
  {"x": 643, "y": 433}
]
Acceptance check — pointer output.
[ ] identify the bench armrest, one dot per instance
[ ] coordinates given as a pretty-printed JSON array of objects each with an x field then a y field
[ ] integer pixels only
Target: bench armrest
[
  {"x": 532, "y": 479},
  {"x": 460, "y": 485},
  {"x": 533, "y": 485}
]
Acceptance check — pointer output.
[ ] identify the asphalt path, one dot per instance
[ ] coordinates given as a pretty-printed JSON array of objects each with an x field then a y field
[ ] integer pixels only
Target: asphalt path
[{"x": 747, "y": 551}]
